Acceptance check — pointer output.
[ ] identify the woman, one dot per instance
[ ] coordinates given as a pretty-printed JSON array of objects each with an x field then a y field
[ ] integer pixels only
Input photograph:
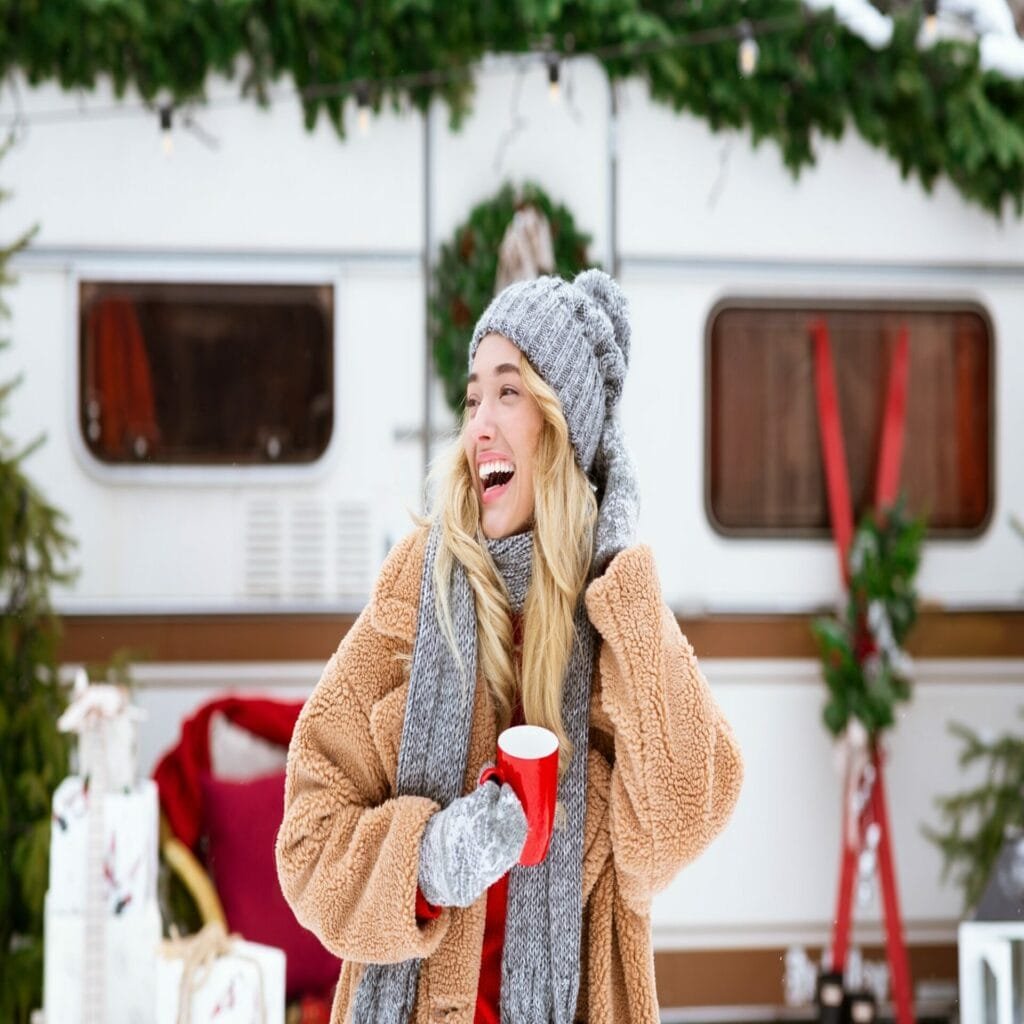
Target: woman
[{"x": 522, "y": 598}]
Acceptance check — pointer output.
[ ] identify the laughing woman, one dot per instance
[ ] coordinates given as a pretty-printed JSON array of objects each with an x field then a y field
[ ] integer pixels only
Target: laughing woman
[{"x": 523, "y": 598}]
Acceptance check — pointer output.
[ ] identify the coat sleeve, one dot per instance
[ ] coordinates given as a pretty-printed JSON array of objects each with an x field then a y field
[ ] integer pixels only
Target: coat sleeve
[
  {"x": 677, "y": 768},
  {"x": 347, "y": 850}
]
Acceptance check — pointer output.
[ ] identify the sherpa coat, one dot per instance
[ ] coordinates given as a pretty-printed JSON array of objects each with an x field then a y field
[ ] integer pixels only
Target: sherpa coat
[{"x": 664, "y": 773}]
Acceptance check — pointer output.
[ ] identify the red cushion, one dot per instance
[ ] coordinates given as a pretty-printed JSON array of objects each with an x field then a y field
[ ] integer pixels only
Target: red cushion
[{"x": 240, "y": 820}]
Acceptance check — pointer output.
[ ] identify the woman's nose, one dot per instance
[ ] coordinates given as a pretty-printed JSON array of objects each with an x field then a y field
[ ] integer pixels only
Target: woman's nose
[{"x": 482, "y": 424}]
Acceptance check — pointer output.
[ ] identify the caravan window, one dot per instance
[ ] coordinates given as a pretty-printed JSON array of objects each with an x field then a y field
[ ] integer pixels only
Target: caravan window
[
  {"x": 205, "y": 374},
  {"x": 764, "y": 473}
]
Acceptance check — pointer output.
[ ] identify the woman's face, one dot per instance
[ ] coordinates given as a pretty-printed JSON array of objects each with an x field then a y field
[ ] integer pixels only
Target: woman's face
[{"x": 501, "y": 435}]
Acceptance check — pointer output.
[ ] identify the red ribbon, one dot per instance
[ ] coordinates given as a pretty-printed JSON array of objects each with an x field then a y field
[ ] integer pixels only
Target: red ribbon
[
  {"x": 833, "y": 450},
  {"x": 891, "y": 455},
  {"x": 841, "y": 513}
]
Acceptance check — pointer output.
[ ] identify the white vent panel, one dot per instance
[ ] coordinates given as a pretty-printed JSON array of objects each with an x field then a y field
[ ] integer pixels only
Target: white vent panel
[
  {"x": 308, "y": 550},
  {"x": 263, "y": 549},
  {"x": 352, "y": 563}
]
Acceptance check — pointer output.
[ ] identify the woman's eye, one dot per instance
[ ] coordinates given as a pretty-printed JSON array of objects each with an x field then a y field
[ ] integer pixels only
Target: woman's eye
[
  {"x": 509, "y": 391},
  {"x": 470, "y": 403}
]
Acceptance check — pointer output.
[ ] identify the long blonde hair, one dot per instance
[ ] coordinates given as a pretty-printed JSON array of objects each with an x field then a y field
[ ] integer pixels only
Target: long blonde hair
[{"x": 565, "y": 511}]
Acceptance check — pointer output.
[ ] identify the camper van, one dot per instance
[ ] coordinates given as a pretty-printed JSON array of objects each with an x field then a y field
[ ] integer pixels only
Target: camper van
[{"x": 223, "y": 337}]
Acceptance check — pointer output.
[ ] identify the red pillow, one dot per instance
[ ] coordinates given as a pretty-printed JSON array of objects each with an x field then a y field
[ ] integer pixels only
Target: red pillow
[{"x": 240, "y": 821}]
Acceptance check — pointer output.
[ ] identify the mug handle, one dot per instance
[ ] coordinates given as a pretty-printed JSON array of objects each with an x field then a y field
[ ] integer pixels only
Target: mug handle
[{"x": 490, "y": 773}]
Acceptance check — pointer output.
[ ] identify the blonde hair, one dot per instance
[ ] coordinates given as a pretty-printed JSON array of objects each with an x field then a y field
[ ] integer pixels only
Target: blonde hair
[{"x": 565, "y": 511}]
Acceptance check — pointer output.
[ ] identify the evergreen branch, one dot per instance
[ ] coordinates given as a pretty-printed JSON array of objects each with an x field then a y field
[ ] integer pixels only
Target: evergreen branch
[{"x": 934, "y": 111}]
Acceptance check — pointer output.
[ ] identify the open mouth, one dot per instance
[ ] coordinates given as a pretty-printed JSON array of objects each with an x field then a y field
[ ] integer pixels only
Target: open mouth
[{"x": 494, "y": 478}]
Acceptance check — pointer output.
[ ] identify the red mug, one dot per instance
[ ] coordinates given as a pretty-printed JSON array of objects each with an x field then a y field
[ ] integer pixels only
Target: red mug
[{"x": 528, "y": 762}]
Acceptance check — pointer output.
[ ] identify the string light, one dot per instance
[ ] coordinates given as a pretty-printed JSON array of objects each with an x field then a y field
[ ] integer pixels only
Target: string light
[
  {"x": 931, "y": 21},
  {"x": 166, "y": 139},
  {"x": 363, "y": 106},
  {"x": 553, "y": 73},
  {"x": 749, "y": 51},
  {"x": 435, "y": 77}
]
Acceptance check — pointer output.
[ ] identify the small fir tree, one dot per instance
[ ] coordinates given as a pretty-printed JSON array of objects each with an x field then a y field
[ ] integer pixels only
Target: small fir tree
[
  {"x": 980, "y": 818},
  {"x": 33, "y": 754}
]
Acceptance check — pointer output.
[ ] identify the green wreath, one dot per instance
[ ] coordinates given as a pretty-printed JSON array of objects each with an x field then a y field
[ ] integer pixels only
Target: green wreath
[
  {"x": 468, "y": 265},
  {"x": 867, "y": 672}
]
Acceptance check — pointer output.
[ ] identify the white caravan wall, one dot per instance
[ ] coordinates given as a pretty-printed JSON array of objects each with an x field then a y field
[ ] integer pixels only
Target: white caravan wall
[
  {"x": 663, "y": 404},
  {"x": 269, "y": 186},
  {"x": 700, "y": 216},
  {"x": 770, "y": 878}
]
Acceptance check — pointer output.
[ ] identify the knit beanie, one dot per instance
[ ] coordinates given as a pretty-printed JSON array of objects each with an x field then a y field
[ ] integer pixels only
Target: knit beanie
[{"x": 576, "y": 336}]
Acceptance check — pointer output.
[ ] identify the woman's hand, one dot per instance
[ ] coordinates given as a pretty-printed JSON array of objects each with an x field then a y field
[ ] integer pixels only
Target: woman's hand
[
  {"x": 469, "y": 845},
  {"x": 620, "y": 497}
]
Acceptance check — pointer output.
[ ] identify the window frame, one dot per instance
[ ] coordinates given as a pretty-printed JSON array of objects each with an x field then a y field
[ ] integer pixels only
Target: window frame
[
  {"x": 215, "y": 270},
  {"x": 888, "y": 304}
]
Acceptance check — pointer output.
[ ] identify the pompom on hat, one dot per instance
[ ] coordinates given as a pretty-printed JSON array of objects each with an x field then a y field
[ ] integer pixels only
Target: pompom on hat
[{"x": 576, "y": 336}]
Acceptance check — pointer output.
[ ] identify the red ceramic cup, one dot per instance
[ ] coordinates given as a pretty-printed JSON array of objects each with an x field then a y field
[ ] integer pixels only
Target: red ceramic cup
[{"x": 528, "y": 761}]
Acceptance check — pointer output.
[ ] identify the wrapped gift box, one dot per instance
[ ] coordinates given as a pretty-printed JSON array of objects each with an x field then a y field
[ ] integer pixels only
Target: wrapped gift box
[
  {"x": 130, "y": 833},
  {"x": 242, "y": 986},
  {"x": 129, "y": 961}
]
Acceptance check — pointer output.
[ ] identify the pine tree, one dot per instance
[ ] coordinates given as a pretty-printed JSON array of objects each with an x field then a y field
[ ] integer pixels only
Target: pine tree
[{"x": 33, "y": 754}]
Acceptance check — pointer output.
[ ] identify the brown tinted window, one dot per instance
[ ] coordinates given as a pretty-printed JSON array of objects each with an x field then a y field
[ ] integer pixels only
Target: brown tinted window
[
  {"x": 206, "y": 373},
  {"x": 764, "y": 468}
]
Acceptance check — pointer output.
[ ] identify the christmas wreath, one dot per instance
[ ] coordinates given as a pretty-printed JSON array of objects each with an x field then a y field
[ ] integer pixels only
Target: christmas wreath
[
  {"x": 464, "y": 281},
  {"x": 867, "y": 672}
]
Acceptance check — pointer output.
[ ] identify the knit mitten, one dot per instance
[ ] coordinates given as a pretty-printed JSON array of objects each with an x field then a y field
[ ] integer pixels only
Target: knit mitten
[
  {"x": 620, "y": 499},
  {"x": 469, "y": 845}
]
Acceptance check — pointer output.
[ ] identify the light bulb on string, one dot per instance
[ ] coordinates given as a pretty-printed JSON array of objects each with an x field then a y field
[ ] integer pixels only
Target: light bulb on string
[
  {"x": 748, "y": 52},
  {"x": 554, "y": 89},
  {"x": 931, "y": 21},
  {"x": 166, "y": 139},
  {"x": 363, "y": 105}
]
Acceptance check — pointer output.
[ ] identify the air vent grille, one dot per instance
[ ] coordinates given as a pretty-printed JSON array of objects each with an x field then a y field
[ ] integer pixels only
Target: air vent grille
[
  {"x": 352, "y": 557},
  {"x": 263, "y": 549},
  {"x": 308, "y": 536},
  {"x": 308, "y": 551}
]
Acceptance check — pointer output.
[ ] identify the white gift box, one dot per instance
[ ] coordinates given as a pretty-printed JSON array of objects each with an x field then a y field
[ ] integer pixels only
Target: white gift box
[
  {"x": 130, "y": 834},
  {"x": 126, "y": 951},
  {"x": 243, "y": 986}
]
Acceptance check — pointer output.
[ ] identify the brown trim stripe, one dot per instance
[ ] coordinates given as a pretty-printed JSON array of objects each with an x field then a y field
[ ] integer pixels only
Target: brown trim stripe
[
  {"x": 753, "y": 977},
  {"x": 193, "y": 638}
]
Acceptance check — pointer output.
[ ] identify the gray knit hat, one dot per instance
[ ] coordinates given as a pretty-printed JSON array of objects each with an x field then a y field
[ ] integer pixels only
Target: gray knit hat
[{"x": 576, "y": 336}]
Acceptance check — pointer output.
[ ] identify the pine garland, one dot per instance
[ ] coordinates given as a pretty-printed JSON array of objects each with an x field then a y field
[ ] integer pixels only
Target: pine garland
[
  {"x": 466, "y": 271},
  {"x": 934, "y": 111},
  {"x": 866, "y": 669},
  {"x": 33, "y": 755}
]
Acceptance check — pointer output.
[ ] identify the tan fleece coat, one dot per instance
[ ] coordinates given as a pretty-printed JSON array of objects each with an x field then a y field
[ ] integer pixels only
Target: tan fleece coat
[{"x": 664, "y": 773}]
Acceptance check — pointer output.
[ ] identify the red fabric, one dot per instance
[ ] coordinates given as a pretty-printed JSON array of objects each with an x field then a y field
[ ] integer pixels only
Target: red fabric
[
  {"x": 896, "y": 949},
  {"x": 833, "y": 449},
  {"x": 425, "y": 911},
  {"x": 178, "y": 774},
  {"x": 890, "y": 457},
  {"x": 488, "y": 995},
  {"x": 241, "y": 821},
  {"x": 118, "y": 376}
]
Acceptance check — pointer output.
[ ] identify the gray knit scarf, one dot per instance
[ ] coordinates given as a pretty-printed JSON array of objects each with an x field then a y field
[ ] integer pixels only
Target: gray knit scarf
[{"x": 540, "y": 963}]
